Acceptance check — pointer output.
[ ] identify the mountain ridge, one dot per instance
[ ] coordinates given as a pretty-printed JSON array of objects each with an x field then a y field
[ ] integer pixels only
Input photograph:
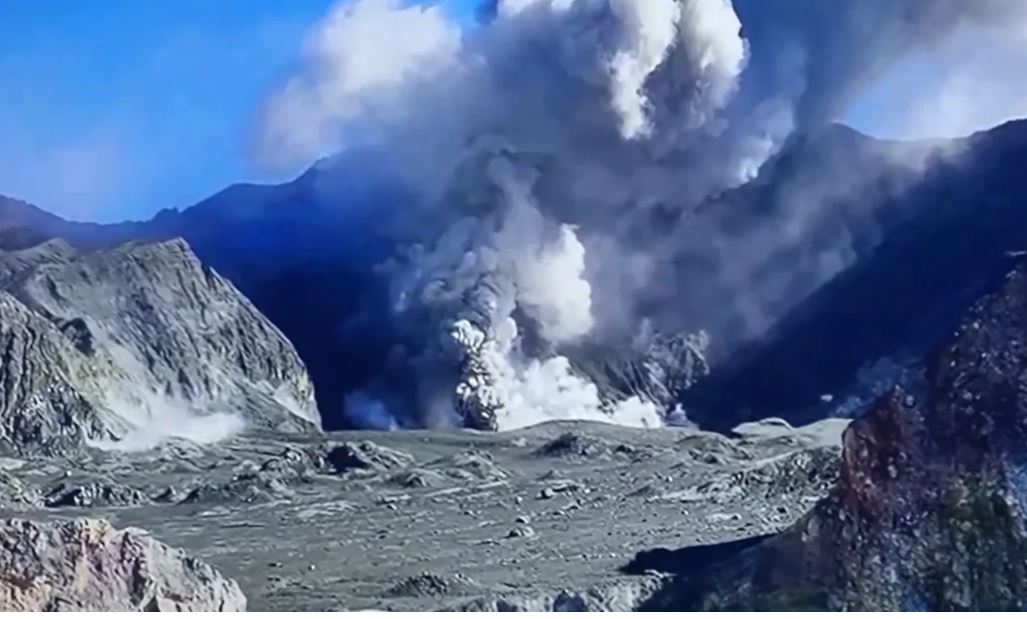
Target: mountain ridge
[{"x": 303, "y": 252}]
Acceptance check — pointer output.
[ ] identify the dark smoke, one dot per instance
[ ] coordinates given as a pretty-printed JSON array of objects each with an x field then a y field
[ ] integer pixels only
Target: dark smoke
[{"x": 562, "y": 161}]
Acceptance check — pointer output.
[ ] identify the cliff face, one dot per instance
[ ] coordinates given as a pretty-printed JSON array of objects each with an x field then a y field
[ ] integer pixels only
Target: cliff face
[
  {"x": 40, "y": 404},
  {"x": 100, "y": 345},
  {"x": 930, "y": 512},
  {"x": 87, "y": 565}
]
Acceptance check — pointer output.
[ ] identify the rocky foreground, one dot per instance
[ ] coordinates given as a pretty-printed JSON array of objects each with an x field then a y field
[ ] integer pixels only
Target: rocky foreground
[
  {"x": 930, "y": 512},
  {"x": 919, "y": 504},
  {"x": 548, "y": 517}
]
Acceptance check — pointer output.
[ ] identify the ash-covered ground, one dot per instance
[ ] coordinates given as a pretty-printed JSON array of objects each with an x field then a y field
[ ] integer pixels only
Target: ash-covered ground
[{"x": 553, "y": 516}]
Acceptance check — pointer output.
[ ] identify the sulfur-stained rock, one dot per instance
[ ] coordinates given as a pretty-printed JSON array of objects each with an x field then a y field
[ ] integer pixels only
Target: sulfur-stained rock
[{"x": 930, "y": 511}]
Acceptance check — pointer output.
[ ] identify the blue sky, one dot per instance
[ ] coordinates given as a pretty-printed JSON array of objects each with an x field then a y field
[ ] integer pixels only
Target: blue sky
[{"x": 115, "y": 109}]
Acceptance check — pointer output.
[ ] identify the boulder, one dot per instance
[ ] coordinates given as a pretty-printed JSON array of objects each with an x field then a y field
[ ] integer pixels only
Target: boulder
[
  {"x": 87, "y": 565},
  {"x": 930, "y": 511}
]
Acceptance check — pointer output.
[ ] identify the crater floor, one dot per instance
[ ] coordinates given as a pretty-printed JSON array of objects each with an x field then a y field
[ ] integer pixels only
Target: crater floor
[{"x": 422, "y": 520}]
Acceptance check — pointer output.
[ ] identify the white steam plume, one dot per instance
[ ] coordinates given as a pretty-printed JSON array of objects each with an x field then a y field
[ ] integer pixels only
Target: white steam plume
[
  {"x": 546, "y": 262},
  {"x": 526, "y": 392},
  {"x": 361, "y": 53},
  {"x": 649, "y": 32},
  {"x": 556, "y": 157},
  {"x": 150, "y": 419}
]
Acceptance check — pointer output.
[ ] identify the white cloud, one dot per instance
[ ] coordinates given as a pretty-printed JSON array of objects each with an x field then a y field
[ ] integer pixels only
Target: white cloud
[
  {"x": 361, "y": 55},
  {"x": 982, "y": 87}
]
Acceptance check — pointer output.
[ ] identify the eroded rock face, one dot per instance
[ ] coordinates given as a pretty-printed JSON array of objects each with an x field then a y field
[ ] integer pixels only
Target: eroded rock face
[
  {"x": 103, "y": 343},
  {"x": 930, "y": 512},
  {"x": 658, "y": 369},
  {"x": 15, "y": 494},
  {"x": 87, "y": 565},
  {"x": 366, "y": 455},
  {"x": 46, "y": 399}
]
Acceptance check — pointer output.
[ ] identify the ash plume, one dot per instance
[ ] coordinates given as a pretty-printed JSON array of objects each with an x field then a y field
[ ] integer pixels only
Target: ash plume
[
  {"x": 829, "y": 51},
  {"x": 555, "y": 159}
]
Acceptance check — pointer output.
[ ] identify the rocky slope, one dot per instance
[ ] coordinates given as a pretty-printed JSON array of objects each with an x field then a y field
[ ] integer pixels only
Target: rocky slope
[
  {"x": 930, "y": 509},
  {"x": 87, "y": 565},
  {"x": 136, "y": 342}
]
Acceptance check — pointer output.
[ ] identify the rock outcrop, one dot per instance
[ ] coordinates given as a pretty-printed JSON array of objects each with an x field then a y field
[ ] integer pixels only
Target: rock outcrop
[
  {"x": 47, "y": 395},
  {"x": 609, "y": 597},
  {"x": 87, "y": 565},
  {"x": 136, "y": 342},
  {"x": 930, "y": 512},
  {"x": 657, "y": 369},
  {"x": 16, "y": 494}
]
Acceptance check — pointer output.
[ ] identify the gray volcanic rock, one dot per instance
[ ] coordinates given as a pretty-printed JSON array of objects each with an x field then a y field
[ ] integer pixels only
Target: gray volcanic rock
[
  {"x": 931, "y": 507},
  {"x": 243, "y": 488},
  {"x": 47, "y": 394},
  {"x": 87, "y": 565},
  {"x": 430, "y": 584},
  {"x": 620, "y": 597},
  {"x": 472, "y": 465},
  {"x": 571, "y": 445},
  {"x": 366, "y": 455},
  {"x": 657, "y": 369},
  {"x": 14, "y": 493},
  {"x": 138, "y": 339},
  {"x": 812, "y": 472},
  {"x": 93, "y": 493}
]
